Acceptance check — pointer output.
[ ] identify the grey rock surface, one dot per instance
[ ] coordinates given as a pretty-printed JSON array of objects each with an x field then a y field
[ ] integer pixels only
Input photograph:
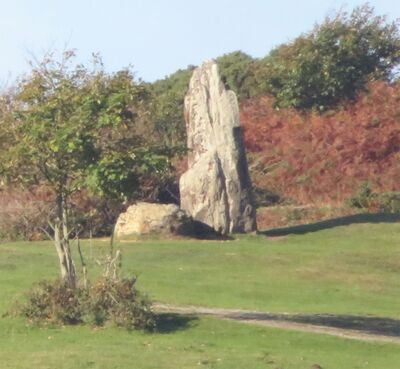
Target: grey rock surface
[
  {"x": 216, "y": 188},
  {"x": 145, "y": 218}
]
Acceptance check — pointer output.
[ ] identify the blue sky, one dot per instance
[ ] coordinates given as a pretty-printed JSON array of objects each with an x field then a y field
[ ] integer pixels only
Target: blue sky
[{"x": 157, "y": 37}]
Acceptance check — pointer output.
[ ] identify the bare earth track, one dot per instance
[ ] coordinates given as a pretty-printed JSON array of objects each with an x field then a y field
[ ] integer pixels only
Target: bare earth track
[{"x": 369, "y": 328}]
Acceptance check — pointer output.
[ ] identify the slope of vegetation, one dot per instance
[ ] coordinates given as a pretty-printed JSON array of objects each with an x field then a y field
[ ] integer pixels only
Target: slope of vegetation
[{"x": 310, "y": 157}]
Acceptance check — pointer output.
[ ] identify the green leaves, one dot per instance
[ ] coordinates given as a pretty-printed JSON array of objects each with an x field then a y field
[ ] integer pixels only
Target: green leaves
[
  {"x": 71, "y": 127},
  {"x": 167, "y": 108},
  {"x": 236, "y": 71},
  {"x": 333, "y": 62}
]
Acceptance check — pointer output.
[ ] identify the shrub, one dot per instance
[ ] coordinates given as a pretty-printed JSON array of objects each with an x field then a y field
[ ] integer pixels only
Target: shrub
[
  {"x": 120, "y": 302},
  {"x": 366, "y": 199},
  {"x": 117, "y": 301},
  {"x": 362, "y": 199},
  {"x": 55, "y": 302},
  {"x": 389, "y": 202}
]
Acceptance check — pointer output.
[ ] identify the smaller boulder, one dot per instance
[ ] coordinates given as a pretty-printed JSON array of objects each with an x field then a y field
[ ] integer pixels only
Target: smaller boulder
[{"x": 145, "y": 218}]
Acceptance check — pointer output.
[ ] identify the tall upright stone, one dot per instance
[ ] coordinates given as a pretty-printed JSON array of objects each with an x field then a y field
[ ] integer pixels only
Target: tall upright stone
[{"x": 216, "y": 189}]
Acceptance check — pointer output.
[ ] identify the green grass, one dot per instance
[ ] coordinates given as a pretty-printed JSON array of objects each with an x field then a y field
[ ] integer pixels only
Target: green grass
[
  {"x": 344, "y": 270},
  {"x": 205, "y": 343},
  {"x": 347, "y": 270}
]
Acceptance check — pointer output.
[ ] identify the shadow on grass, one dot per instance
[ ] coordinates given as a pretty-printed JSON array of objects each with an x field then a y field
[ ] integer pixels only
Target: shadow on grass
[
  {"x": 372, "y": 325},
  {"x": 202, "y": 231},
  {"x": 170, "y": 322},
  {"x": 335, "y": 222}
]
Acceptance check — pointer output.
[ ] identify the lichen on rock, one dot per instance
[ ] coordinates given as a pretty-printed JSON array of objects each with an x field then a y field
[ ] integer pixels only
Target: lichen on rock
[{"x": 216, "y": 189}]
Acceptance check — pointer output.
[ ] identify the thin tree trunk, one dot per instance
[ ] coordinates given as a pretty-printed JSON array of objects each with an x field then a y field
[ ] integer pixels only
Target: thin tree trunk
[
  {"x": 61, "y": 242},
  {"x": 83, "y": 263}
]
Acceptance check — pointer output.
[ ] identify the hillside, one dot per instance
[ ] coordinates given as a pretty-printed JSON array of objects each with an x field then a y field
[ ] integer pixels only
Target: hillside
[{"x": 308, "y": 157}]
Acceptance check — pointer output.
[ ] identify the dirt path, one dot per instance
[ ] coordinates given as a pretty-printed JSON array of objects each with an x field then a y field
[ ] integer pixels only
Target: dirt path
[{"x": 368, "y": 328}]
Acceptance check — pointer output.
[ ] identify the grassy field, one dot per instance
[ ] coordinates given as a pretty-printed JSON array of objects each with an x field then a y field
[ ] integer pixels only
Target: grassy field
[
  {"x": 341, "y": 271},
  {"x": 204, "y": 343}
]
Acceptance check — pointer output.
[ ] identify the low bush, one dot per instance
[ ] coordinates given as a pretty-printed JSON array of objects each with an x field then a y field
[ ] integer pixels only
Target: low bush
[
  {"x": 363, "y": 199},
  {"x": 389, "y": 202},
  {"x": 120, "y": 302},
  {"x": 108, "y": 300},
  {"x": 370, "y": 201},
  {"x": 55, "y": 302}
]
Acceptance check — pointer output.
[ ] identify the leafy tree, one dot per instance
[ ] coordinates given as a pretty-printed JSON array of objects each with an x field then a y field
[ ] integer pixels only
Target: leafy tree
[
  {"x": 71, "y": 128},
  {"x": 333, "y": 62},
  {"x": 168, "y": 106},
  {"x": 236, "y": 72}
]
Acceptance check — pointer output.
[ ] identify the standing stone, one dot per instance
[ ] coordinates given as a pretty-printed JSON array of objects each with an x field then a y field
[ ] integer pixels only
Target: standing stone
[{"x": 216, "y": 189}]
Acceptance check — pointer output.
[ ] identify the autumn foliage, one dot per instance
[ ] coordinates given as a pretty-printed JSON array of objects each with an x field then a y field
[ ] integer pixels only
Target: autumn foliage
[{"x": 308, "y": 157}]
